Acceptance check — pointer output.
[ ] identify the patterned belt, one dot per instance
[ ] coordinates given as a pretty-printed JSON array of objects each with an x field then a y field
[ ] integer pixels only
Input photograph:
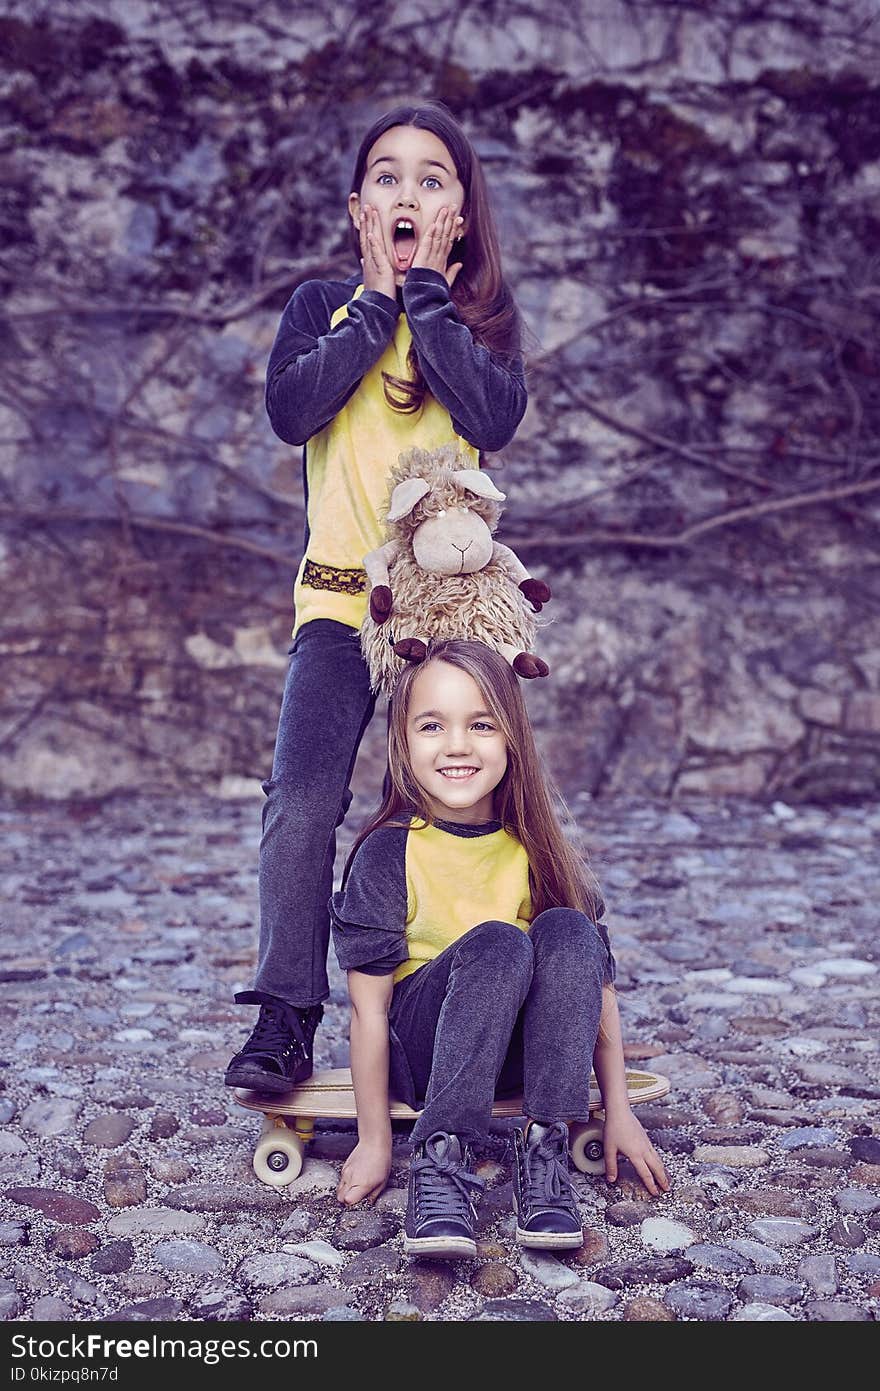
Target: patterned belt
[{"x": 332, "y": 577}]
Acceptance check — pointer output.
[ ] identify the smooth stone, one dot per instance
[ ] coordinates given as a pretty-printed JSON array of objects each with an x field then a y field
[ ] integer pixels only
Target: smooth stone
[
  {"x": 59, "y": 1207},
  {"x": 782, "y": 1231},
  {"x": 430, "y": 1282},
  {"x": 847, "y": 966},
  {"x": 775, "y": 1202},
  {"x": 548, "y": 1270},
  {"x": 725, "y": 1108},
  {"x": 191, "y": 1257},
  {"x": 863, "y": 1263},
  {"x": 802, "y": 975},
  {"x": 824, "y": 1158},
  {"x": 125, "y": 1183},
  {"x": 644, "y": 1309},
  {"x": 756, "y": 1252},
  {"x": 50, "y": 1309},
  {"x": 214, "y": 1303},
  {"x": 696, "y": 1299},
  {"x": 662, "y": 1234},
  {"x": 370, "y": 1265},
  {"x": 50, "y": 1117},
  {"x": 401, "y": 1311},
  {"x": 69, "y": 1163},
  {"x": 718, "y": 1258},
  {"x": 155, "y": 1221},
  {"x": 316, "y": 1176},
  {"x": 358, "y": 1231},
  {"x": 341, "y": 1313},
  {"x": 856, "y": 1200},
  {"x": 494, "y": 1280},
  {"x": 761, "y": 1313},
  {"x": 170, "y": 1169},
  {"x": 163, "y": 1125},
  {"x": 321, "y": 1252},
  {"x": 627, "y": 1214},
  {"x": 162, "y": 1310},
  {"x": 513, "y": 1311},
  {"x": 769, "y": 1289},
  {"x": 732, "y": 1156},
  {"x": 14, "y": 1233},
  {"x": 308, "y": 1299},
  {"x": 298, "y": 1224},
  {"x": 72, "y": 1243},
  {"x": 114, "y": 1258},
  {"x": 757, "y": 985},
  {"x": 586, "y": 1297},
  {"x": 225, "y": 1197},
  {"x": 143, "y": 1284},
  {"x": 835, "y": 1311},
  {"x": 110, "y": 1131},
  {"x": 273, "y": 1268},
  {"x": 650, "y": 1269},
  {"x": 808, "y": 1135},
  {"x": 846, "y": 1232},
  {"x": 865, "y": 1147},
  {"x": 595, "y": 1248},
  {"x": 819, "y": 1272}
]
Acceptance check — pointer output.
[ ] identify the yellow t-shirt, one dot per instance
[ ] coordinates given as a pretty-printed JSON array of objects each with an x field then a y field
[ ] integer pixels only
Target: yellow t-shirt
[
  {"x": 348, "y": 465},
  {"x": 455, "y": 882},
  {"x": 434, "y": 882}
]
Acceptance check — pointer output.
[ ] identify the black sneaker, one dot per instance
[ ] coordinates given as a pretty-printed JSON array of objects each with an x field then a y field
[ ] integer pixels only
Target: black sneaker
[
  {"x": 543, "y": 1199},
  {"x": 278, "y": 1053},
  {"x": 441, "y": 1206}
]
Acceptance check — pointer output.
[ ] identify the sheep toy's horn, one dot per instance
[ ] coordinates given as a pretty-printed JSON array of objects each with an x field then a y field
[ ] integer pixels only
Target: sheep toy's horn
[
  {"x": 476, "y": 481},
  {"x": 405, "y": 497}
]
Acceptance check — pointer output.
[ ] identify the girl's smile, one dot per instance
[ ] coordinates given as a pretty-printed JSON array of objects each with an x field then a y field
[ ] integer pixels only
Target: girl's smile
[{"x": 457, "y": 751}]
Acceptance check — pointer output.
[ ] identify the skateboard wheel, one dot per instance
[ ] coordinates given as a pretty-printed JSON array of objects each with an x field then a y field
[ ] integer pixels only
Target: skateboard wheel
[
  {"x": 278, "y": 1158},
  {"x": 585, "y": 1147}
]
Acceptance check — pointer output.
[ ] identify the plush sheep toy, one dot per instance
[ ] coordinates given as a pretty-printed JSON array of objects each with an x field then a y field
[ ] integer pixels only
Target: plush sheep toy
[{"x": 441, "y": 575}]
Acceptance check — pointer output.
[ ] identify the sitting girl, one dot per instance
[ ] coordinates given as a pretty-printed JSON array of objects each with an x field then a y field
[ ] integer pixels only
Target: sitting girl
[{"x": 476, "y": 963}]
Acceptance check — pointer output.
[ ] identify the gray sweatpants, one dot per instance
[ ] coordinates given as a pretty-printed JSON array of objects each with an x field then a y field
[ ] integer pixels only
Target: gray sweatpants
[{"x": 504, "y": 1010}]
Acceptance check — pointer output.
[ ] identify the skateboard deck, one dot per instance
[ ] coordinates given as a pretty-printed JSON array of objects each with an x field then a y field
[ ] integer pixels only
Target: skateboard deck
[{"x": 288, "y": 1123}]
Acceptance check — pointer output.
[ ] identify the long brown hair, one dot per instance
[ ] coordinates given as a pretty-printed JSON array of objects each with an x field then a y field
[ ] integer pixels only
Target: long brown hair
[
  {"x": 480, "y": 293},
  {"x": 524, "y": 798}
]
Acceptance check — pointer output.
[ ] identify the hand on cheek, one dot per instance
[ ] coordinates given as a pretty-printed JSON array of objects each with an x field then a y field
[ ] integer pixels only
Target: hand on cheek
[{"x": 436, "y": 242}]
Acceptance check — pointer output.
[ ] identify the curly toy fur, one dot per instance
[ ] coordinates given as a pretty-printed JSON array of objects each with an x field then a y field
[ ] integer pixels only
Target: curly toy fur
[{"x": 486, "y": 606}]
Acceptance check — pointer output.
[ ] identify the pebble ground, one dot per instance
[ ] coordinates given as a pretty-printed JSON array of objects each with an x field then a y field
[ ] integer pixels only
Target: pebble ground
[{"x": 747, "y": 944}]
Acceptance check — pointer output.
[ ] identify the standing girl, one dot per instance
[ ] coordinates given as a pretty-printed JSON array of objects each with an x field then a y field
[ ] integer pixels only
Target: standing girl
[
  {"x": 476, "y": 963},
  {"x": 421, "y": 349}
]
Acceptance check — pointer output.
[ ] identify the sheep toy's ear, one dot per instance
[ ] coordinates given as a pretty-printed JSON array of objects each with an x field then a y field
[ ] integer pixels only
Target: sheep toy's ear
[
  {"x": 405, "y": 497},
  {"x": 476, "y": 481}
]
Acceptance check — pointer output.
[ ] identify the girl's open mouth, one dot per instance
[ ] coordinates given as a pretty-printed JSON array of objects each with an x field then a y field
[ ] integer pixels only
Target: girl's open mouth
[
  {"x": 405, "y": 242},
  {"x": 457, "y": 774}
]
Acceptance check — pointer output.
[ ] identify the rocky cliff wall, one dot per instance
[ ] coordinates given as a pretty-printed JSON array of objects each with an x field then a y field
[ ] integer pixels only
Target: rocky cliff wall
[{"x": 689, "y": 202}]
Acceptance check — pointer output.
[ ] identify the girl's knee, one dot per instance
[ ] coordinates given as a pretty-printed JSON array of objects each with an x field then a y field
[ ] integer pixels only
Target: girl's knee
[
  {"x": 566, "y": 927},
  {"x": 500, "y": 945}
]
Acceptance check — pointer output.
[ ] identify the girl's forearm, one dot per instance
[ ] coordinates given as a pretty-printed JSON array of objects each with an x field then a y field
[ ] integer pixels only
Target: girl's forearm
[
  {"x": 608, "y": 1063},
  {"x": 369, "y": 1074}
]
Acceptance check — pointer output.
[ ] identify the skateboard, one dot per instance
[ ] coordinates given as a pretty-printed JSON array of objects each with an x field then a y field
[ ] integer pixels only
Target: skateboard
[{"x": 289, "y": 1120}]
